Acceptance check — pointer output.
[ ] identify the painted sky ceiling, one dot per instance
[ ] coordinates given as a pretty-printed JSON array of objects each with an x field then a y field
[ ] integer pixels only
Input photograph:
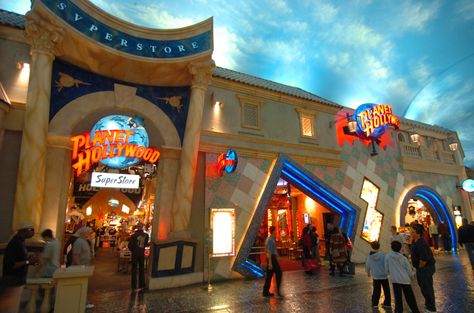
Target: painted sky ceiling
[{"x": 417, "y": 56}]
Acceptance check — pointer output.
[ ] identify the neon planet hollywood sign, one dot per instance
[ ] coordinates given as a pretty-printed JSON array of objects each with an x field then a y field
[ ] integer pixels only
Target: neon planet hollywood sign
[
  {"x": 117, "y": 141},
  {"x": 373, "y": 120}
]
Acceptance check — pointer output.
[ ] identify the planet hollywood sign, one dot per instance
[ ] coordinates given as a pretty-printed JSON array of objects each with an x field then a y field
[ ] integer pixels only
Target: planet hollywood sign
[
  {"x": 373, "y": 119},
  {"x": 116, "y": 141},
  {"x": 119, "y": 40}
]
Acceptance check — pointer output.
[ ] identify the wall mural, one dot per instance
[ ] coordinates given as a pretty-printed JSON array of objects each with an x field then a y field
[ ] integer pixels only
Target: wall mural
[{"x": 70, "y": 82}]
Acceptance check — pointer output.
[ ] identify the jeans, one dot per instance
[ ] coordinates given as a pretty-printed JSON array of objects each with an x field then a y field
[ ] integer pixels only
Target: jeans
[
  {"x": 138, "y": 262},
  {"x": 268, "y": 278},
  {"x": 398, "y": 290},
  {"x": 424, "y": 277},
  {"x": 378, "y": 283},
  {"x": 470, "y": 252},
  {"x": 446, "y": 242},
  {"x": 435, "y": 241}
]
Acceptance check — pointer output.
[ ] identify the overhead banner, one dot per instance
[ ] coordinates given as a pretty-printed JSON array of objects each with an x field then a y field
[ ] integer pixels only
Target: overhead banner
[
  {"x": 112, "y": 180},
  {"x": 116, "y": 39}
]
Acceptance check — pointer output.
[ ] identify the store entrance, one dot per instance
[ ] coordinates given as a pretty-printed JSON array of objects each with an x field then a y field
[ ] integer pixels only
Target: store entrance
[
  {"x": 290, "y": 210},
  {"x": 437, "y": 233},
  {"x": 112, "y": 215}
]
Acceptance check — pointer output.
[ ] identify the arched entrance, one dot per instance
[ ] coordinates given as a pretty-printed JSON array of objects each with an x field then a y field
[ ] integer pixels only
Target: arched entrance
[
  {"x": 438, "y": 209},
  {"x": 313, "y": 187}
]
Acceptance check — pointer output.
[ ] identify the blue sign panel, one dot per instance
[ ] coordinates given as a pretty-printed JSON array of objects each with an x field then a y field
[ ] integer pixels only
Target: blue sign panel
[{"x": 144, "y": 47}]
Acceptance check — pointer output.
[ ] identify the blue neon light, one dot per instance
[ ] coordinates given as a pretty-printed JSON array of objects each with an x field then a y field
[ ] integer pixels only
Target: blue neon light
[
  {"x": 328, "y": 193},
  {"x": 446, "y": 213},
  {"x": 323, "y": 194},
  {"x": 432, "y": 205},
  {"x": 245, "y": 265}
]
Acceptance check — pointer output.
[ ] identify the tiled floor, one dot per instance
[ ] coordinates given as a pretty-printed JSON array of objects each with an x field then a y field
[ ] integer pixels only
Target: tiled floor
[{"x": 453, "y": 283}]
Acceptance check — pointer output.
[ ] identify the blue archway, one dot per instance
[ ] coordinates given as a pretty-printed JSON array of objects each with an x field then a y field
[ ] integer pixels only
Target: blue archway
[
  {"x": 431, "y": 199},
  {"x": 310, "y": 185}
]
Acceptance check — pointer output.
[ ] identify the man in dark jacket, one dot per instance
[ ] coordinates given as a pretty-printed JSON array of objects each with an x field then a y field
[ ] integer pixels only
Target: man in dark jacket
[
  {"x": 136, "y": 245},
  {"x": 466, "y": 239},
  {"x": 424, "y": 262},
  {"x": 15, "y": 268}
]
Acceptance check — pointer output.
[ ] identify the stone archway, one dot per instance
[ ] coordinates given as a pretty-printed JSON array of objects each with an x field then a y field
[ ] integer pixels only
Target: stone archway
[
  {"x": 78, "y": 116},
  {"x": 438, "y": 209}
]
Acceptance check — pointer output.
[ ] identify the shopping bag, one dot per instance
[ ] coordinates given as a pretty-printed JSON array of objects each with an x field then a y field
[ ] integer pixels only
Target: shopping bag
[{"x": 349, "y": 268}]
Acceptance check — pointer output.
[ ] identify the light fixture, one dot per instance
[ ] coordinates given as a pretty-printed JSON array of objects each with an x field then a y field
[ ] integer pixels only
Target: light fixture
[
  {"x": 21, "y": 65},
  {"x": 352, "y": 124},
  {"x": 453, "y": 144},
  {"x": 415, "y": 137},
  {"x": 217, "y": 102}
]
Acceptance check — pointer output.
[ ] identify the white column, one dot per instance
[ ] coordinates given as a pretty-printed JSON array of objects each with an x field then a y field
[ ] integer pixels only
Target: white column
[
  {"x": 29, "y": 195},
  {"x": 201, "y": 74}
]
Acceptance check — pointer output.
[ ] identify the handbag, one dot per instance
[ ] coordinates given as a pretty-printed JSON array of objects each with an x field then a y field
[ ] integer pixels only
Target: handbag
[{"x": 348, "y": 268}]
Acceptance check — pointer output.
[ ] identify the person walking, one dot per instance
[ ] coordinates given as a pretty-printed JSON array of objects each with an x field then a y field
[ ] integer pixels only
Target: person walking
[
  {"x": 396, "y": 236},
  {"x": 338, "y": 252},
  {"x": 306, "y": 240},
  {"x": 315, "y": 244},
  {"x": 272, "y": 265},
  {"x": 375, "y": 267},
  {"x": 466, "y": 239},
  {"x": 424, "y": 262},
  {"x": 433, "y": 229},
  {"x": 400, "y": 271},
  {"x": 137, "y": 243},
  {"x": 50, "y": 256},
  {"x": 81, "y": 251},
  {"x": 443, "y": 231},
  {"x": 15, "y": 268}
]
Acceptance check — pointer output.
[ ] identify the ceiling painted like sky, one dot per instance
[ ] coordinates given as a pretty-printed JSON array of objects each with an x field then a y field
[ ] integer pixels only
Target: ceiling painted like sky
[{"x": 417, "y": 56}]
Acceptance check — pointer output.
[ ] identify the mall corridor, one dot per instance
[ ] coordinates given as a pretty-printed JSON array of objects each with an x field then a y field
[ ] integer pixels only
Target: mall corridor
[{"x": 454, "y": 287}]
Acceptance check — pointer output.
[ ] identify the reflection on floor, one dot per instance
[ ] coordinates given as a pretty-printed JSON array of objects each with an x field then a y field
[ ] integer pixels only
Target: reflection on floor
[
  {"x": 106, "y": 277},
  {"x": 286, "y": 263}
]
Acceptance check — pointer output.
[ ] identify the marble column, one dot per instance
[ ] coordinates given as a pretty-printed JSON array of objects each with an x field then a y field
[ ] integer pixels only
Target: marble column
[
  {"x": 201, "y": 75},
  {"x": 43, "y": 38}
]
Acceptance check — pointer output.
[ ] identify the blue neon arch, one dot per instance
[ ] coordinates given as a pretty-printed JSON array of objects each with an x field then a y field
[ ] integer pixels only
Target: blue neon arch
[
  {"x": 432, "y": 201},
  {"x": 313, "y": 187}
]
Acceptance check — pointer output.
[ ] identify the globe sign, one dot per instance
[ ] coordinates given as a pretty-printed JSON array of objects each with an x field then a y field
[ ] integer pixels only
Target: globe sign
[
  {"x": 379, "y": 131},
  {"x": 468, "y": 185},
  {"x": 122, "y": 122}
]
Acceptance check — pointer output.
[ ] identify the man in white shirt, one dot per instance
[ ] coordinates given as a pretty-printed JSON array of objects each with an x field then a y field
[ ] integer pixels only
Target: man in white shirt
[{"x": 50, "y": 255}]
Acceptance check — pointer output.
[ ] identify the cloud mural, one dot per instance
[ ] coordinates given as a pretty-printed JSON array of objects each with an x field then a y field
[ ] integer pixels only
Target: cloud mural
[{"x": 415, "y": 55}]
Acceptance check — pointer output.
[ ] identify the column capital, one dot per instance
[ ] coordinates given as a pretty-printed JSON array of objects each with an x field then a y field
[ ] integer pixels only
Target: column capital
[
  {"x": 43, "y": 37},
  {"x": 201, "y": 73}
]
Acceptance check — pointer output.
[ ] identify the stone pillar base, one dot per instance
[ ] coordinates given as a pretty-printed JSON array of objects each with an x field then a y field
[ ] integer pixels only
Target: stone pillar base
[{"x": 175, "y": 281}]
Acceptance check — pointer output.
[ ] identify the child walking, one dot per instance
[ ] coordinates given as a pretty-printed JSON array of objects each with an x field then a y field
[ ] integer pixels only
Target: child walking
[
  {"x": 375, "y": 267},
  {"x": 400, "y": 271}
]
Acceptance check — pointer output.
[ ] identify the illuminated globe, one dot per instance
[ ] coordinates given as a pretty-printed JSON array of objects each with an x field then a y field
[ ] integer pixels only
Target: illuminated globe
[
  {"x": 379, "y": 131},
  {"x": 122, "y": 122}
]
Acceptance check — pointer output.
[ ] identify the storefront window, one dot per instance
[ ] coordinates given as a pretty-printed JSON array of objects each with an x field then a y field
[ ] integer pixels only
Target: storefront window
[{"x": 373, "y": 217}]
